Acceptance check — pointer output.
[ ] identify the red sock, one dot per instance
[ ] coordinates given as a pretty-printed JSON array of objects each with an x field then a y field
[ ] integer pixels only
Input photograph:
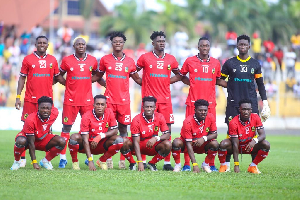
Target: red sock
[
  {"x": 187, "y": 159},
  {"x": 52, "y": 153},
  {"x": 176, "y": 155},
  {"x": 168, "y": 157},
  {"x": 112, "y": 150},
  {"x": 222, "y": 155},
  {"x": 210, "y": 156},
  {"x": 260, "y": 156},
  {"x": 23, "y": 154},
  {"x": 67, "y": 137},
  {"x": 212, "y": 163},
  {"x": 74, "y": 151},
  {"x": 143, "y": 157},
  {"x": 18, "y": 152},
  {"x": 156, "y": 158},
  {"x": 129, "y": 157},
  {"x": 122, "y": 157}
]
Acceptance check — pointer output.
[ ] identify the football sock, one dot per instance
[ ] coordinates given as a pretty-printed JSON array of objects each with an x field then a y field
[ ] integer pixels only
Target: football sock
[
  {"x": 176, "y": 155},
  {"x": 122, "y": 157},
  {"x": 228, "y": 165},
  {"x": 52, "y": 153},
  {"x": 18, "y": 152},
  {"x": 112, "y": 150},
  {"x": 222, "y": 155},
  {"x": 212, "y": 163},
  {"x": 144, "y": 158},
  {"x": 129, "y": 157},
  {"x": 63, "y": 156},
  {"x": 67, "y": 137},
  {"x": 262, "y": 154},
  {"x": 187, "y": 159},
  {"x": 74, "y": 151},
  {"x": 252, "y": 164},
  {"x": 228, "y": 157},
  {"x": 156, "y": 158},
  {"x": 23, "y": 155},
  {"x": 211, "y": 154}
]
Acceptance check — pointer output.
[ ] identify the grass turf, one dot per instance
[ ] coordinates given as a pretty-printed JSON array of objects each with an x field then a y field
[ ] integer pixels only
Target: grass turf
[{"x": 279, "y": 179}]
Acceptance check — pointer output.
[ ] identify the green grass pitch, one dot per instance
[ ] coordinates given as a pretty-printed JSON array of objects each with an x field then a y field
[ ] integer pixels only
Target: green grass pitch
[{"x": 280, "y": 178}]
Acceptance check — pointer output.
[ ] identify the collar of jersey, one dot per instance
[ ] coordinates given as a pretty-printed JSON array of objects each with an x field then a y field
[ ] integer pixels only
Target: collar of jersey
[
  {"x": 85, "y": 57},
  {"x": 152, "y": 120},
  {"x": 242, "y": 59},
  {"x": 116, "y": 58},
  {"x": 39, "y": 56},
  {"x": 207, "y": 60},
  {"x": 246, "y": 122},
  {"x": 195, "y": 118},
  {"x": 158, "y": 56},
  {"x": 38, "y": 114},
  {"x": 102, "y": 118}
]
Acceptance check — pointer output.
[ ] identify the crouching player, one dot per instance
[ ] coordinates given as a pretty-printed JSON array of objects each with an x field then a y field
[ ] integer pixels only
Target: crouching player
[
  {"x": 144, "y": 131},
  {"x": 198, "y": 135},
  {"x": 36, "y": 134},
  {"x": 98, "y": 135},
  {"x": 242, "y": 133}
]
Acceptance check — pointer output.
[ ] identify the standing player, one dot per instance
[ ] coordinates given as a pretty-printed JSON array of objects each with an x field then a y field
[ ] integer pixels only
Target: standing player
[
  {"x": 36, "y": 134},
  {"x": 198, "y": 135},
  {"x": 204, "y": 72},
  {"x": 242, "y": 133},
  {"x": 157, "y": 66},
  {"x": 78, "y": 95},
  {"x": 241, "y": 71},
  {"x": 144, "y": 131},
  {"x": 98, "y": 134},
  {"x": 40, "y": 69},
  {"x": 119, "y": 68}
]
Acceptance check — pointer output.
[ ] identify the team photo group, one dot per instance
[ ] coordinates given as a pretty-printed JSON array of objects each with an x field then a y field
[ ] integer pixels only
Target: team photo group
[{"x": 105, "y": 117}]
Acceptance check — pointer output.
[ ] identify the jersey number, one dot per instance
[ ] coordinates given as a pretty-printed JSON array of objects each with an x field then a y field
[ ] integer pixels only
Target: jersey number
[
  {"x": 127, "y": 118},
  {"x": 119, "y": 66},
  {"x": 244, "y": 68},
  {"x": 160, "y": 64},
  {"x": 205, "y": 68},
  {"x": 81, "y": 67}
]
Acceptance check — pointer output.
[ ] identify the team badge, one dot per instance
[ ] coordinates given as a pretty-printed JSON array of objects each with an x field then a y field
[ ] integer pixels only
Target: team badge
[
  {"x": 150, "y": 66},
  {"x": 213, "y": 71},
  {"x": 106, "y": 126},
  {"x": 253, "y": 128},
  {"x": 51, "y": 65},
  {"x": 126, "y": 69},
  {"x": 195, "y": 70},
  {"x": 91, "y": 68},
  {"x": 66, "y": 119},
  {"x": 71, "y": 69},
  {"x": 26, "y": 115},
  {"x": 33, "y": 66},
  {"x": 156, "y": 128},
  {"x": 252, "y": 71},
  {"x": 229, "y": 118},
  {"x": 169, "y": 67},
  {"x": 207, "y": 129}
]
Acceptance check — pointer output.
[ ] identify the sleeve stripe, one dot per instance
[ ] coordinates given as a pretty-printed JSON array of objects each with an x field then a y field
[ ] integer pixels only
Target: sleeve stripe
[
  {"x": 135, "y": 135},
  {"x": 113, "y": 127},
  {"x": 56, "y": 74},
  {"x": 21, "y": 74},
  {"x": 84, "y": 133},
  {"x": 258, "y": 75},
  {"x": 189, "y": 140},
  {"x": 133, "y": 72},
  {"x": 224, "y": 75},
  {"x": 233, "y": 136},
  {"x": 260, "y": 127},
  {"x": 180, "y": 73},
  {"x": 138, "y": 67},
  {"x": 176, "y": 68},
  {"x": 60, "y": 69},
  {"x": 165, "y": 132},
  {"x": 29, "y": 133}
]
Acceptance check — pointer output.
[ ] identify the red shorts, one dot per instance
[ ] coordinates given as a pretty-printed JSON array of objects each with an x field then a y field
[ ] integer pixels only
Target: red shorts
[
  {"x": 145, "y": 150},
  {"x": 166, "y": 110},
  {"x": 122, "y": 112},
  {"x": 28, "y": 108},
  {"x": 70, "y": 113},
  {"x": 39, "y": 144},
  {"x": 242, "y": 149},
  {"x": 190, "y": 110},
  {"x": 98, "y": 150},
  {"x": 198, "y": 150}
]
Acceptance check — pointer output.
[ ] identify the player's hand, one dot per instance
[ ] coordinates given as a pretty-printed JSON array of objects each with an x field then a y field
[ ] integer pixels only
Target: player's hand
[
  {"x": 92, "y": 166},
  {"x": 141, "y": 166},
  {"x": 250, "y": 146},
  {"x": 151, "y": 142},
  {"x": 236, "y": 169},
  {"x": 196, "y": 169},
  {"x": 18, "y": 104},
  {"x": 94, "y": 144},
  {"x": 36, "y": 166},
  {"x": 265, "y": 112},
  {"x": 199, "y": 142}
]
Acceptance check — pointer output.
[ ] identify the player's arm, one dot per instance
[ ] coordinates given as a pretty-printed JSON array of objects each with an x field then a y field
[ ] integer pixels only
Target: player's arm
[
  {"x": 98, "y": 76},
  {"x": 86, "y": 146},
  {"x": 31, "y": 146},
  {"x": 183, "y": 78},
  {"x": 136, "y": 145},
  {"x": 192, "y": 156},
  {"x": 221, "y": 82},
  {"x": 59, "y": 78},
  {"x": 20, "y": 87},
  {"x": 136, "y": 78},
  {"x": 235, "y": 147}
]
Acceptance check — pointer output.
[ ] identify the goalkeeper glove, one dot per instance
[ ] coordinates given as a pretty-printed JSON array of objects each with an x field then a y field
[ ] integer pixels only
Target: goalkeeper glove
[{"x": 265, "y": 113}]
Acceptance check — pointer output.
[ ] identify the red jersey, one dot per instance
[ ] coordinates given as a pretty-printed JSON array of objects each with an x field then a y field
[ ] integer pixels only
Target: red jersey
[
  {"x": 92, "y": 125},
  {"x": 79, "y": 79},
  {"x": 156, "y": 75},
  {"x": 34, "y": 125},
  {"x": 202, "y": 75},
  {"x": 117, "y": 77},
  {"x": 39, "y": 72},
  {"x": 244, "y": 131},
  {"x": 192, "y": 129},
  {"x": 141, "y": 126}
]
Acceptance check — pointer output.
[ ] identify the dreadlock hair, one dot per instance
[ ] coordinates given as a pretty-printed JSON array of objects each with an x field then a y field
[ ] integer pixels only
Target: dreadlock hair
[
  {"x": 201, "y": 102},
  {"x": 45, "y": 99},
  {"x": 149, "y": 99},
  {"x": 157, "y": 33},
  {"x": 117, "y": 34},
  {"x": 243, "y": 37},
  {"x": 244, "y": 101}
]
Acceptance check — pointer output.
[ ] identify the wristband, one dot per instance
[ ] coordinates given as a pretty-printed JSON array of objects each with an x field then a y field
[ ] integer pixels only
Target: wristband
[
  {"x": 205, "y": 138},
  {"x": 139, "y": 161},
  {"x": 195, "y": 164},
  {"x": 18, "y": 96},
  {"x": 90, "y": 158},
  {"x": 256, "y": 140},
  {"x": 157, "y": 138},
  {"x": 33, "y": 162},
  {"x": 236, "y": 163}
]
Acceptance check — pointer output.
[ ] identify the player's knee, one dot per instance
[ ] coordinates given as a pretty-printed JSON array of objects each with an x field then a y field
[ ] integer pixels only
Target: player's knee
[
  {"x": 73, "y": 142},
  {"x": 75, "y": 136},
  {"x": 21, "y": 142},
  {"x": 118, "y": 140},
  {"x": 265, "y": 145},
  {"x": 176, "y": 144},
  {"x": 214, "y": 145},
  {"x": 168, "y": 144},
  {"x": 61, "y": 142},
  {"x": 224, "y": 144}
]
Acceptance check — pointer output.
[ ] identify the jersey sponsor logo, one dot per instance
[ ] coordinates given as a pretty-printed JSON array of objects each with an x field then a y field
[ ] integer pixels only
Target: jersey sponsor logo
[
  {"x": 33, "y": 66},
  {"x": 244, "y": 68},
  {"x": 207, "y": 129},
  {"x": 26, "y": 115},
  {"x": 116, "y": 76},
  {"x": 45, "y": 126},
  {"x": 243, "y": 80},
  {"x": 253, "y": 128},
  {"x": 160, "y": 64},
  {"x": 51, "y": 65},
  {"x": 106, "y": 126},
  {"x": 203, "y": 79},
  {"x": 66, "y": 119},
  {"x": 156, "y": 128},
  {"x": 40, "y": 75},
  {"x": 213, "y": 70},
  {"x": 169, "y": 67},
  {"x": 244, "y": 140},
  {"x": 158, "y": 75},
  {"x": 79, "y": 78},
  {"x": 42, "y": 63},
  {"x": 119, "y": 67},
  {"x": 252, "y": 70}
]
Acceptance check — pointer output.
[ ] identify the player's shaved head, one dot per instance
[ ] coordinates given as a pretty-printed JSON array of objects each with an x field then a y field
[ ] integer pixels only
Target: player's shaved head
[{"x": 45, "y": 99}]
